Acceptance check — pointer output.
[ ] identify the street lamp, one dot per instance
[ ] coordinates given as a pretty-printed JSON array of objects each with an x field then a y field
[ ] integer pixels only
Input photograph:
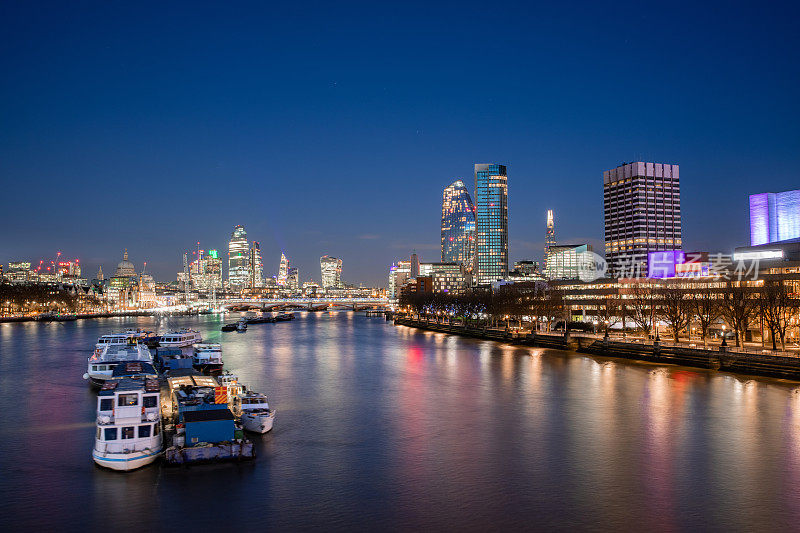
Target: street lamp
[{"x": 724, "y": 342}]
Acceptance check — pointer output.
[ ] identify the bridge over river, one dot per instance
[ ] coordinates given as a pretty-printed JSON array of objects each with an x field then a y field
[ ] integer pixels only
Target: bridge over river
[{"x": 305, "y": 304}]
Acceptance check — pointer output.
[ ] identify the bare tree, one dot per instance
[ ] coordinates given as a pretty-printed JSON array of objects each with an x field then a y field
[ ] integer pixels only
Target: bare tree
[
  {"x": 705, "y": 307},
  {"x": 610, "y": 312},
  {"x": 737, "y": 306},
  {"x": 673, "y": 305},
  {"x": 642, "y": 310},
  {"x": 775, "y": 305}
]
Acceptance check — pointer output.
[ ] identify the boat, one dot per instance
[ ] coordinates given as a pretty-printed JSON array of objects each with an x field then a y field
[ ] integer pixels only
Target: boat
[
  {"x": 178, "y": 339},
  {"x": 230, "y": 381},
  {"x": 230, "y": 327},
  {"x": 241, "y": 327},
  {"x": 260, "y": 319},
  {"x": 208, "y": 358},
  {"x": 252, "y": 410},
  {"x": 170, "y": 359},
  {"x": 103, "y": 361},
  {"x": 117, "y": 339},
  {"x": 284, "y": 317},
  {"x": 128, "y": 434}
]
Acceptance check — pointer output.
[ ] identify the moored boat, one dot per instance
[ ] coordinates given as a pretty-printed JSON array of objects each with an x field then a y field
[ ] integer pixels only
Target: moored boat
[
  {"x": 103, "y": 361},
  {"x": 252, "y": 409},
  {"x": 208, "y": 358},
  {"x": 178, "y": 339},
  {"x": 128, "y": 434}
]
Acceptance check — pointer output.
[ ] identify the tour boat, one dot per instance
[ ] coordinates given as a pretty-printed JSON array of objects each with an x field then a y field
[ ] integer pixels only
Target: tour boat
[
  {"x": 178, "y": 339},
  {"x": 116, "y": 339},
  {"x": 208, "y": 358},
  {"x": 252, "y": 409},
  {"x": 128, "y": 432},
  {"x": 103, "y": 361}
]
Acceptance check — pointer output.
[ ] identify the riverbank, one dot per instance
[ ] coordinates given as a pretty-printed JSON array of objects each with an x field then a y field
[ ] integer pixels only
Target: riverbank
[
  {"x": 69, "y": 318},
  {"x": 726, "y": 360}
]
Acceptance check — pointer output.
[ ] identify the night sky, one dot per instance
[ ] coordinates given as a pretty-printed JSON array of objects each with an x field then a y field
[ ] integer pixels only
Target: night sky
[{"x": 332, "y": 128}]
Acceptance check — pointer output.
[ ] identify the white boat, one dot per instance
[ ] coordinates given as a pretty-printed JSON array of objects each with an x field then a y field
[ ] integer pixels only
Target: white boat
[
  {"x": 128, "y": 432},
  {"x": 101, "y": 364},
  {"x": 117, "y": 339},
  {"x": 241, "y": 327},
  {"x": 208, "y": 358},
  {"x": 252, "y": 409},
  {"x": 178, "y": 339}
]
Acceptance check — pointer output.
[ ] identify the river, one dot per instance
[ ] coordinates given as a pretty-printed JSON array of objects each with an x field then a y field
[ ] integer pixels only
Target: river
[{"x": 391, "y": 428}]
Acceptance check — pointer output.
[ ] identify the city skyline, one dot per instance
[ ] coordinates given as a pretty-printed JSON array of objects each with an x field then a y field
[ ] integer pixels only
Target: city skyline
[{"x": 85, "y": 113}]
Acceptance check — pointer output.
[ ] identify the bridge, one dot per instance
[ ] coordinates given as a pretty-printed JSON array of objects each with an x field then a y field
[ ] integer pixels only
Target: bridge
[{"x": 305, "y": 304}]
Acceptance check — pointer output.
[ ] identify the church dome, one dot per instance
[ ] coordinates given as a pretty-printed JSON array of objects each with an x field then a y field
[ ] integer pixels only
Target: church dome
[{"x": 125, "y": 268}]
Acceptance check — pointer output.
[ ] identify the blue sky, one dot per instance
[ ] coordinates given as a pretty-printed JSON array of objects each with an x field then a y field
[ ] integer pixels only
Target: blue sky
[{"x": 332, "y": 128}]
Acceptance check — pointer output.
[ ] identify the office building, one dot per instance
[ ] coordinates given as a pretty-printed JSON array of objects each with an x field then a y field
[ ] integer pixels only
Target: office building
[
  {"x": 331, "y": 270},
  {"x": 293, "y": 279},
  {"x": 549, "y": 236},
  {"x": 239, "y": 276},
  {"x": 774, "y": 217},
  {"x": 398, "y": 274},
  {"x": 642, "y": 208},
  {"x": 458, "y": 225},
  {"x": 491, "y": 223},
  {"x": 451, "y": 278},
  {"x": 566, "y": 261},
  {"x": 283, "y": 271},
  {"x": 256, "y": 266}
]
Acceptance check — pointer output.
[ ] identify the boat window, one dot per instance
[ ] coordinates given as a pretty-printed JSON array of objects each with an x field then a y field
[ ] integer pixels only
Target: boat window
[
  {"x": 155, "y": 428},
  {"x": 106, "y": 404},
  {"x": 144, "y": 431},
  {"x": 127, "y": 432},
  {"x": 110, "y": 434},
  {"x": 150, "y": 401},
  {"x": 127, "y": 400}
]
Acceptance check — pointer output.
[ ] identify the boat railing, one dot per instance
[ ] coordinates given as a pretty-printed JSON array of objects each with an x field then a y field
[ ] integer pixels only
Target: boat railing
[{"x": 123, "y": 447}]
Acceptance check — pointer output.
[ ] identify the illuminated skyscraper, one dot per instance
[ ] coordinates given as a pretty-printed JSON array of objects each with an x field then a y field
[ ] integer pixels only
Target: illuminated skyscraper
[
  {"x": 293, "y": 280},
  {"x": 458, "y": 225},
  {"x": 491, "y": 223},
  {"x": 256, "y": 266},
  {"x": 774, "y": 217},
  {"x": 642, "y": 214},
  {"x": 238, "y": 259},
  {"x": 550, "y": 236},
  {"x": 331, "y": 270},
  {"x": 283, "y": 271}
]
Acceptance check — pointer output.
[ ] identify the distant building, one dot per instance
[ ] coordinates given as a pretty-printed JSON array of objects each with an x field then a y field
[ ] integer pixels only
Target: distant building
[
  {"x": 642, "y": 205},
  {"x": 256, "y": 266},
  {"x": 125, "y": 269},
  {"x": 398, "y": 275},
  {"x": 331, "y": 270},
  {"x": 458, "y": 225},
  {"x": 774, "y": 217},
  {"x": 526, "y": 267},
  {"x": 491, "y": 223},
  {"x": 293, "y": 278},
  {"x": 238, "y": 259},
  {"x": 550, "y": 235},
  {"x": 451, "y": 278},
  {"x": 566, "y": 261},
  {"x": 283, "y": 271},
  {"x": 19, "y": 272}
]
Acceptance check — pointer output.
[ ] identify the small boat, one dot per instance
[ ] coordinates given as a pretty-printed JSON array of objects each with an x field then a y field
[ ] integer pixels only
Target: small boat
[
  {"x": 252, "y": 409},
  {"x": 128, "y": 434},
  {"x": 230, "y": 327},
  {"x": 262, "y": 319},
  {"x": 101, "y": 365},
  {"x": 230, "y": 381},
  {"x": 284, "y": 317},
  {"x": 241, "y": 327},
  {"x": 178, "y": 339},
  {"x": 117, "y": 339},
  {"x": 208, "y": 358}
]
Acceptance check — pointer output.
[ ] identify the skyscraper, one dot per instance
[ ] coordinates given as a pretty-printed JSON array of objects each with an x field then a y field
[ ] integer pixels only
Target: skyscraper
[
  {"x": 642, "y": 214},
  {"x": 256, "y": 265},
  {"x": 550, "y": 236},
  {"x": 458, "y": 225},
  {"x": 774, "y": 217},
  {"x": 491, "y": 223},
  {"x": 238, "y": 259},
  {"x": 283, "y": 271},
  {"x": 293, "y": 279},
  {"x": 331, "y": 270}
]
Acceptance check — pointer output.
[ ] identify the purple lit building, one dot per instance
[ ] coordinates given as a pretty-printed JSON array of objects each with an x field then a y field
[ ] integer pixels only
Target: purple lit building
[{"x": 774, "y": 217}]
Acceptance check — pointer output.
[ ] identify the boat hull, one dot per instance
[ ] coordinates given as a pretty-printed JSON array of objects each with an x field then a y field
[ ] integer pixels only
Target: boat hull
[
  {"x": 258, "y": 423},
  {"x": 125, "y": 461}
]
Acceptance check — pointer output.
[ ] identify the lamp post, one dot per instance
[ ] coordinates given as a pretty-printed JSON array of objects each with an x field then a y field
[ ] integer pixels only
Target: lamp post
[{"x": 724, "y": 342}]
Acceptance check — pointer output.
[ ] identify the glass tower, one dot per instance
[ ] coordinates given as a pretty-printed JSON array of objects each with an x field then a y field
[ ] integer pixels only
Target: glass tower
[
  {"x": 549, "y": 237},
  {"x": 491, "y": 223},
  {"x": 331, "y": 270},
  {"x": 774, "y": 217},
  {"x": 458, "y": 225},
  {"x": 256, "y": 266},
  {"x": 283, "y": 271},
  {"x": 238, "y": 259}
]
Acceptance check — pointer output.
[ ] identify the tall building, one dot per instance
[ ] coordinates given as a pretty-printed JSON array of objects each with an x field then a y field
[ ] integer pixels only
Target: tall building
[
  {"x": 283, "y": 271},
  {"x": 331, "y": 269},
  {"x": 398, "y": 274},
  {"x": 458, "y": 225},
  {"x": 256, "y": 265},
  {"x": 293, "y": 279},
  {"x": 238, "y": 259},
  {"x": 642, "y": 214},
  {"x": 774, "y": 217},
  {"x": 550, "y": 236},
  {"x": 491, "y": 223}
]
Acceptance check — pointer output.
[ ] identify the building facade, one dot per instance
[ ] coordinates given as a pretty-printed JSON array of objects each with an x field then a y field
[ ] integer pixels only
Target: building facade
[
  {"x": 451, "y": 278},
  {"x": 293, "y": 279},
  {"x": 458, "y": 225},
  {"x": 283, "y": 271},
  {"x": 491, "y": 223},
  {"x": 566, "y": 261},
  {"x": 256, "y": 266},
  {"x": 331, "y": 271},
  {"x": 549, "y": 236},
  {"x": 642, "y": 210},
  {"x": 398, "y": 275},
  {"x": 774, "y": 217},
  {"x": 238, "y": 259}
]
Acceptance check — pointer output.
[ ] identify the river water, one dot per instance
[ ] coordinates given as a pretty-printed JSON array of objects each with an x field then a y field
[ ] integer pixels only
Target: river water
[{"x": 391, "y": 428}]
